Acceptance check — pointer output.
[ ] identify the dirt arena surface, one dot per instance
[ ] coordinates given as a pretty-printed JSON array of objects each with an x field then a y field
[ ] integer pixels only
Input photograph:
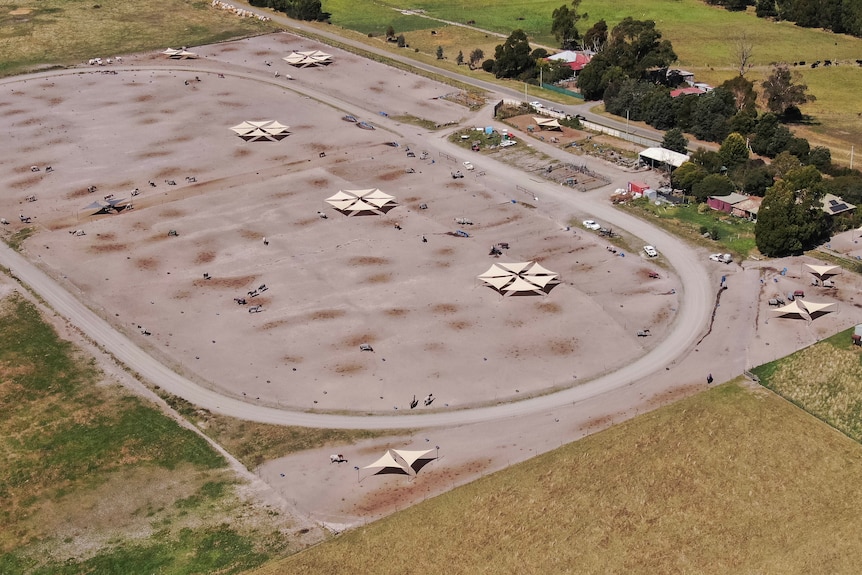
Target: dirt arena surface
[
  {"x": 337, "y": 282},
  {"x": 333, "y": 283}
]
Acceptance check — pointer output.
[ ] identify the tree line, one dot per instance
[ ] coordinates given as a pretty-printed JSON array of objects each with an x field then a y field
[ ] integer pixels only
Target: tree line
[
  {"x": 839, "y": 16},
  {"x": 308, "y": 10}
]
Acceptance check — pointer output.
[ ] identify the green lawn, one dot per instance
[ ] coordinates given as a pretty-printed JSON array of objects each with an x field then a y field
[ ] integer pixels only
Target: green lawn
[
  {"x": 735, "y": 235},
  {"x": 96, "y": 480}
]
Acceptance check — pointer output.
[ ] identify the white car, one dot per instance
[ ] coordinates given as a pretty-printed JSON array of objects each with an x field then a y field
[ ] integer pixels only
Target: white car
[
  {"x": 650, "y": 251},
  {"x": 721, "y": 258},
  {"x": 507, "y": 143},
  {"x": 468, "y": 166},
  {"x": 536, "y": 105},
  {"x": 591, "y": 225}
]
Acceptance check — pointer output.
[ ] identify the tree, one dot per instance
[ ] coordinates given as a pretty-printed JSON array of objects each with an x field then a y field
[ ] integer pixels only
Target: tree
[
  {"x": 733, "y": 151},
  {"x": 712, "y": 185},
  {"x": 675, "y": 140},
  {"x": 770, "y": 137},
  {"x": 401, "y": 41},
  {"x": 459, "y": 59},
  {"x": 821, "y": 158},
  {"x": 743, "y": 50},
  {"x": 744, "y": 96},
  {"x": 564, "y": 25},
  {"x": 634, "y": 47},
  {"x": 783, "y": 164},
  {"x": 476, "y": 57},
  {"x": 512, "y": 58},
  {"x": 390, "y": 32},
  {"x": 439, "y": 52},
  {"x": 711, "y": 116},
  {"x": 596, "y": 37},
  {"x": 790, "y": 219},
  {"x": 766, "y": 9},
  {"x": 752, "y": 177},
  {"x": 687, "y": 175},
  {"x": 782, "y": 93}
]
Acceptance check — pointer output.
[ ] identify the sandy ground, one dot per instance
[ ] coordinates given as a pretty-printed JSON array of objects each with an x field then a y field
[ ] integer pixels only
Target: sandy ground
[{"x": 337, "y": 282}]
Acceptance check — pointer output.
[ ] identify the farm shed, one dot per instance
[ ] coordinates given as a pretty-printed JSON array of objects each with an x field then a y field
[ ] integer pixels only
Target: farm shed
[{"x": 662, "y": 158}]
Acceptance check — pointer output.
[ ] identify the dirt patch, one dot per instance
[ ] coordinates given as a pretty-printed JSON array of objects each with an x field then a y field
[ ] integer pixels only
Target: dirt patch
[
  {"x": 549, "y": 307},
  {"x": 270, "y": 325},
  {"x": 562, "y": 346},
  {"x": 26, "y": 182},
  {"x": 444, "y": 308},
  {"x": 205, "y": 257},
  {"x": 359, "y": 339},
  {"x": 389, "y": 176},
  {"x": 396, "y": 312},
  {"x": 368, "y": 261},
  {"x": 347, "y": 368},
  {"x": 459, "y": 325},
  {"x": 324, "y": 314},
  {"x": 240, "y": 282},
  {"x": 147, "y": 264},
  {"x": 108, "y": 248},
  {"x": 379, "y": 279}
]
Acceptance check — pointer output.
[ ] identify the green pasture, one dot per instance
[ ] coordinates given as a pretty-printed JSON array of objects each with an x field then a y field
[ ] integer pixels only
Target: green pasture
[
  {"x": 96, "y": 480},
  {"x": 824, "y": 379},
  {"x": 731, "y": 480},
  {"x": 62, "y": 32},
  {"x": 735, "y": 235}
]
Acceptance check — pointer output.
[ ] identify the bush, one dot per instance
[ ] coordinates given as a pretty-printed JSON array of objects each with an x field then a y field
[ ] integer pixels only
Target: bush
[{"x": 488, "y": 65}]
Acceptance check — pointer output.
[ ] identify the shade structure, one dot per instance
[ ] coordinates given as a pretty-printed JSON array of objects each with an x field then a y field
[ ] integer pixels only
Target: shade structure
[
  {"x": 402, "y": 462},
  {"x": 816, "y": 309},
  {"x": 306, "y": 59},
  {"x": 261, "y": 131},
  {"x": 823, "y": 271},
  {"x": 179, "y": 54},
  {"x": 370, "y": 201},
  {"x": 792, "y": 309},
  {"x": 548, "y": 123},
  {"x": 387, "y": 465},
  {"x": 521, "y": 278}
]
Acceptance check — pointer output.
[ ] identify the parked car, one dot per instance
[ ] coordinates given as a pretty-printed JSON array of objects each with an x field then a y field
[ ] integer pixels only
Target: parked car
[
  {"x": 591, "y": 225},
  {"x": 537, "y": 105},
  {"x": 468, "y": 166},
  {"x": 721, "y": 258},
  {"x": 650, "y": 251},
  {"x": 507, "y": 143}
]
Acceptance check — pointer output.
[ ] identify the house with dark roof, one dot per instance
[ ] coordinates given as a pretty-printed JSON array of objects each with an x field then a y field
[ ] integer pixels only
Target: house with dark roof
[{"x": 833, "y": 205}]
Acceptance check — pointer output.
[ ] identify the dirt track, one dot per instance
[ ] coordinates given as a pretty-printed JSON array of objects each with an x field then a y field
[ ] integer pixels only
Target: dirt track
[{"x": 337, "y": 282}]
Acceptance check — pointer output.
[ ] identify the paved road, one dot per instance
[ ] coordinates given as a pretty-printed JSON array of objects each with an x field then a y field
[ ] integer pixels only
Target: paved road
[{"x": 695, "y": 307}]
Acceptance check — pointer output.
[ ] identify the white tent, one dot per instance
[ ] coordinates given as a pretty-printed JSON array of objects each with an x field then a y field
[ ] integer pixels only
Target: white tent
[
  {"x": 387, "y": 465},
  {"x": 370, "y": 201},
  {"x": 816, "y": 309},
  {"x": 261, "y": 131},
  {"x": 306, "y": 59},
  {"x": 402, "y": 462},
  {"x": 548, "y": 123},
  {"x": 179, "y": 54},
  {"x": 793, "y": 308},
  {"x": 520, "y": 278},
  {"x": 823, "y": 271}
]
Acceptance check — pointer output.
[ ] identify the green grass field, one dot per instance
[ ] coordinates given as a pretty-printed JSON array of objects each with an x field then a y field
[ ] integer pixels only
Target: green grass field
[
  {"x": 703, "y": 37},
  {"x": 732, "y": 480},
  {"x": 62, "y": 32},
  {"x": 824, "y": 379},
  {"x": 95, "y": 480}
]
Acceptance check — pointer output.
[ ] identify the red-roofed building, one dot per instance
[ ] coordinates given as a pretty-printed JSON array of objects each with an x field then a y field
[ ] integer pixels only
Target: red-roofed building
[
  {"x": 688, "y": 90},
  {"x": 575, "y": 60}
]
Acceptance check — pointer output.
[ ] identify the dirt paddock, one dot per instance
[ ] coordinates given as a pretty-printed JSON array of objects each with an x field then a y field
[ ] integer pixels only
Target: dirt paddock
[{"x": 336, "y": 283}]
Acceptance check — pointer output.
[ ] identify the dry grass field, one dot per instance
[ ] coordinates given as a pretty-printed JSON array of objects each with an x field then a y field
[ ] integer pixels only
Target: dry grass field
[{"x": 734, "y": 479}]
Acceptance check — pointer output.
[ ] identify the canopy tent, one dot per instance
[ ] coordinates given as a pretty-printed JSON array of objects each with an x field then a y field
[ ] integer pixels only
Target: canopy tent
[
  {"x": 106, "y": 207},
  {"x": 370, "y": 201},
  {"x": 180, "y": 54},
  {"x": 520, "y": 278},
  {"x": 548, "y": 123},
  {"x": 306, "y": 59},
  {"x": 261, "y": 131},
  {"x": 387, "y": 465},
  {"x": 816, "y": 309},
  {"x": 806, "y": 309},
  {"x": 402, "y": 462},
  {"x": 823, "y": 271}
]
